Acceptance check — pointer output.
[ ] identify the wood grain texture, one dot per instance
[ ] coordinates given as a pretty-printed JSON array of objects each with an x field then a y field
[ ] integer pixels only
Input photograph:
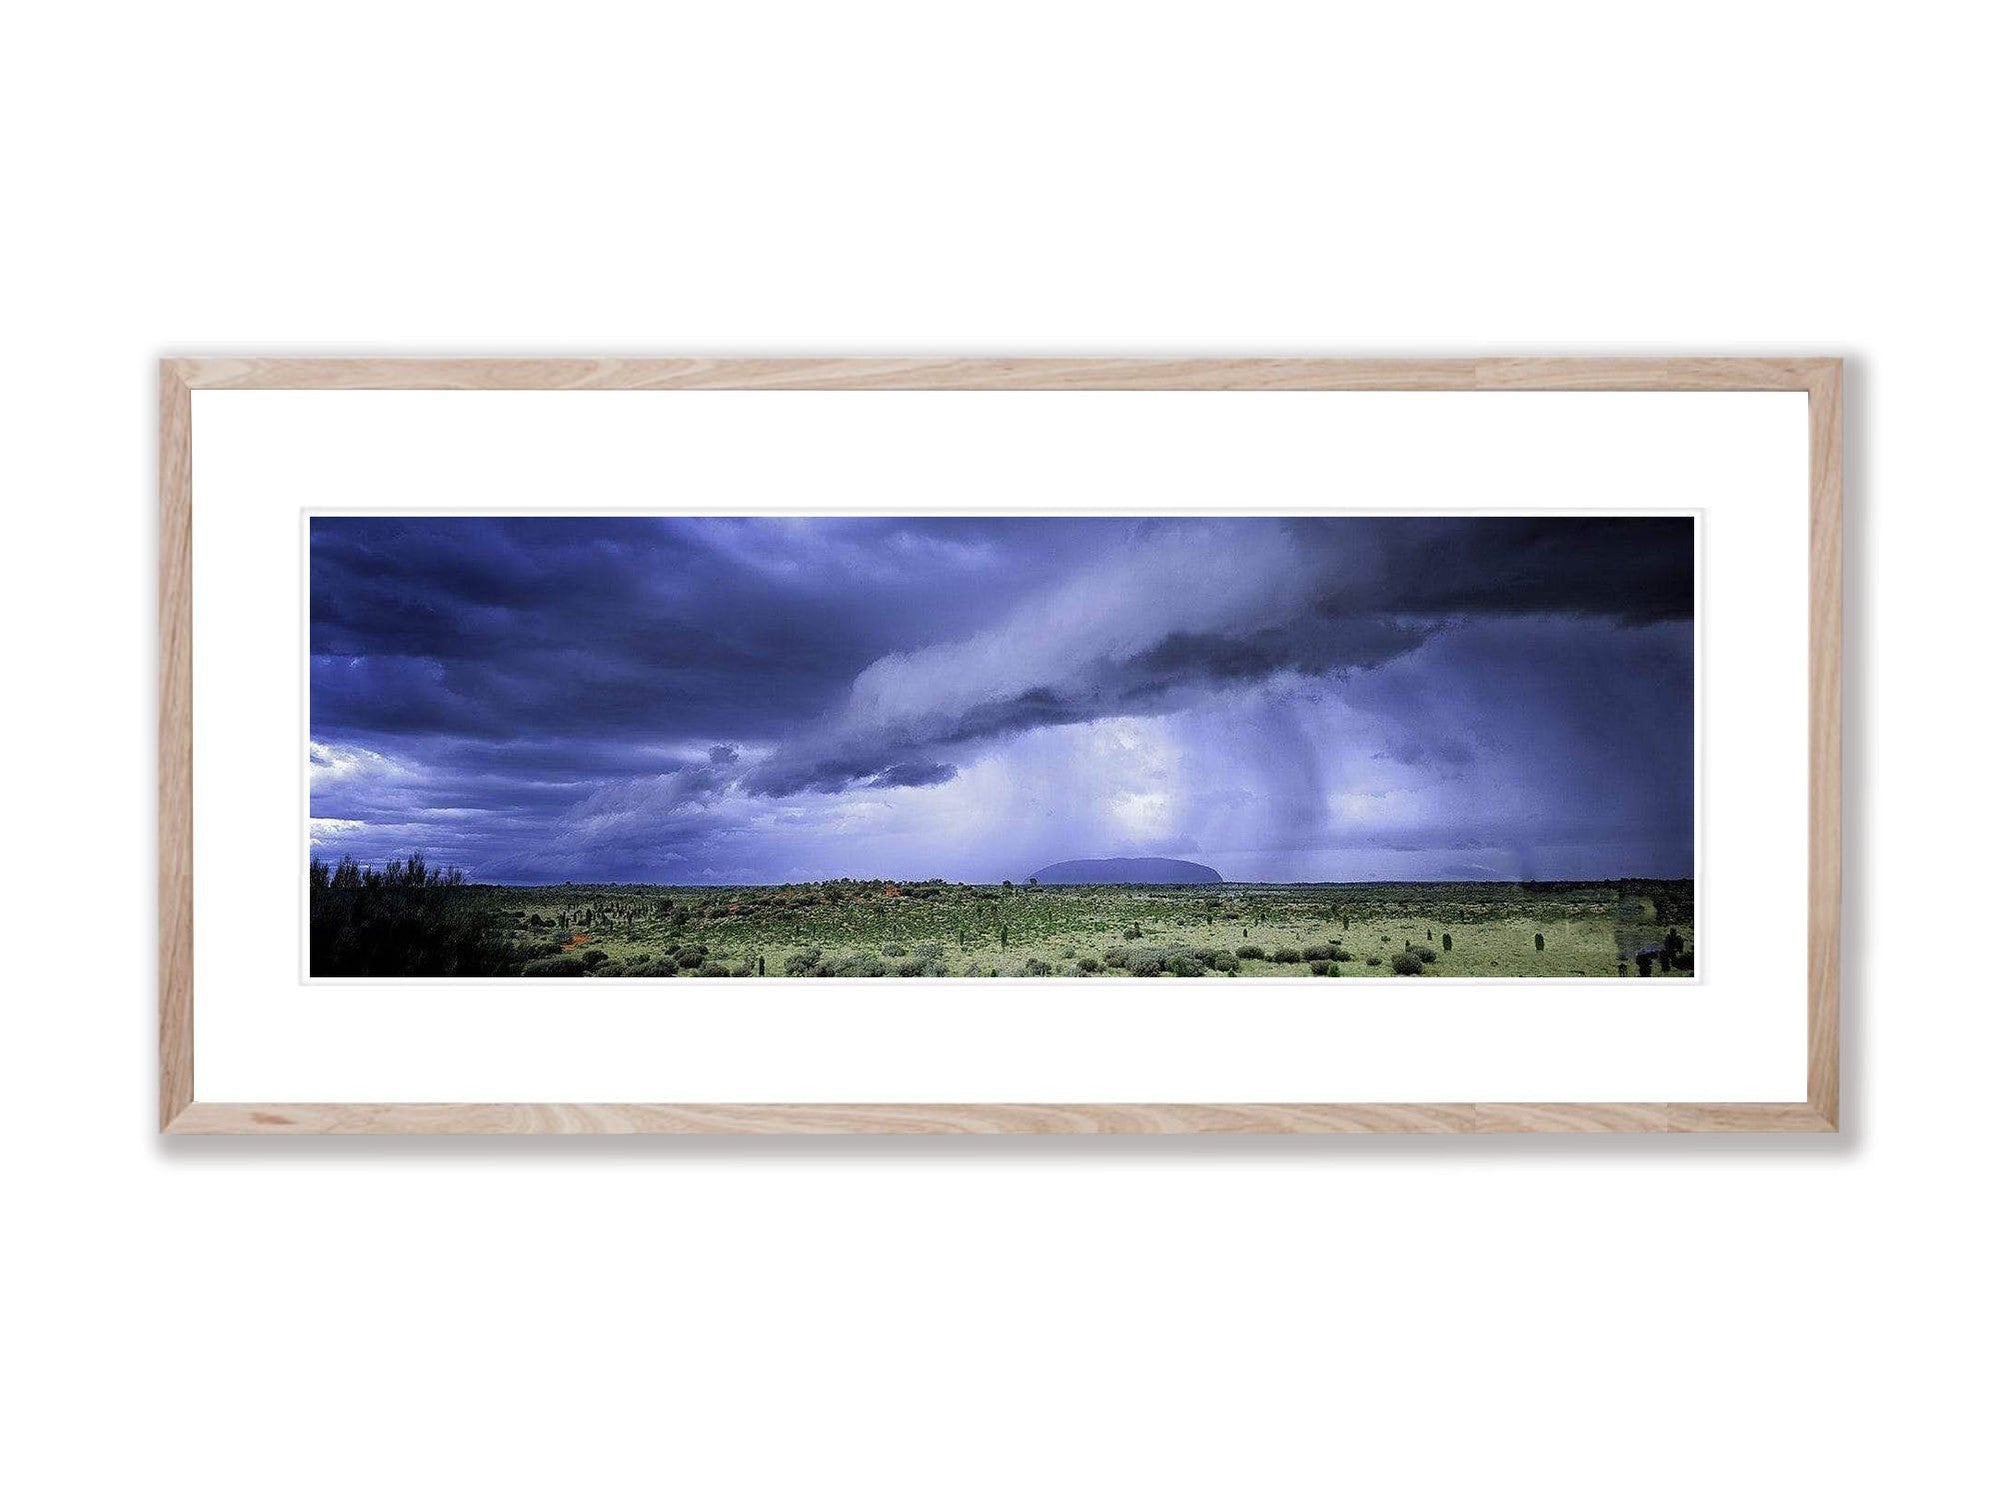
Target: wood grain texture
[
  {"x": 822, "y": 1119},
  {"x": 829, "y": 374},
  {"x": 1571, "y": 1118},
  {"x": 1828, "y": 423},
  {"x": 1819, "y": 378},
  {"x": 992, "y": 1118},
  {"x": 176, "y": 775},
  {"x": 1001, "y": 374},
  {"x": 1651, "y": 374},
  {"x": 1748, "y": 1118}
]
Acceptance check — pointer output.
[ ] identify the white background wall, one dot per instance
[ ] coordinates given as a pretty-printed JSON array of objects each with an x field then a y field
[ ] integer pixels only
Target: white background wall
[{"x": 993, "y": 1317}]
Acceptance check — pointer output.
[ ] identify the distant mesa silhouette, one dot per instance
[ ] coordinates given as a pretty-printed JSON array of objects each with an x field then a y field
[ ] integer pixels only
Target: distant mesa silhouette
[{"x": 1127, "y": 872}]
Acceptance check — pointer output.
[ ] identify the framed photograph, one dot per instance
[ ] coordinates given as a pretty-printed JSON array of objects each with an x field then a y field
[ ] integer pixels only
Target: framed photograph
[{"x": 992, "y": 745}]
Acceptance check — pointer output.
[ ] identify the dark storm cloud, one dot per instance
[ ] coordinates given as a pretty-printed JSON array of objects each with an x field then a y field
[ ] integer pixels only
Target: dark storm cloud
[
  {"x": 1154, "y": 681},
  {"x": 1637, "y": 569},
  {"x": 788, "y": 777},
  {"x": 619, "y": 627},
  {"x": 1315, "y": 644},
  {"x": 917, "y": 773},
  {"x": 533, "y": 695},
  {"x": 1165, "y": 611}
]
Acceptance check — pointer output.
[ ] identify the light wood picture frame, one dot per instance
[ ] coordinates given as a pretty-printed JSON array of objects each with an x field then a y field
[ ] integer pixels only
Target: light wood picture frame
[{"x": 183, "y": 1112}]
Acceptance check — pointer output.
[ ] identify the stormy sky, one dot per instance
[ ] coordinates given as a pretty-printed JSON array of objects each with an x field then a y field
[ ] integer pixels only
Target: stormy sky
[{"x": 697, "y": 701}]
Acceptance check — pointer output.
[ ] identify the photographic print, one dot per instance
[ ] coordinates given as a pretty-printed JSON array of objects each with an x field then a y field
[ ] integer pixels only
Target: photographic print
[
  {"x": 1056, "y": 746},
  {"x": 1341, "y": 747}
]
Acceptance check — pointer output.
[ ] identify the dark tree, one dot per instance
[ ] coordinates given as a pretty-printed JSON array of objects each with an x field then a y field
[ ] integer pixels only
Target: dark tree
[{"x": 406, "y": 920}]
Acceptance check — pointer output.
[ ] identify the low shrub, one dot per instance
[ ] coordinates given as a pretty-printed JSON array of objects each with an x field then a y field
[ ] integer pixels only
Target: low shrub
[
  {"x": 553, "y": 968},
  {"x": 860, "y": 965},
  {"x": 1088, "y": 965},
  {"x": 1406, "y": 963},
  {"x": 1249, "y": 950},
  {"x": 594, "y": 956},
  {"x": 1287, "y": 955},
  {"x": 1036, "y": 968}
]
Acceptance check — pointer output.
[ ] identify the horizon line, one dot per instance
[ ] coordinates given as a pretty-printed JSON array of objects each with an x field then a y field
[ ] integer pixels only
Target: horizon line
[{"x": 1021, "y": 884}]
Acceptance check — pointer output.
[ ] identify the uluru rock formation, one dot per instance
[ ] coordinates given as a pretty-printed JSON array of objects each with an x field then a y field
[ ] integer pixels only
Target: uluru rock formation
[{"x": 1126, "y": 872}]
